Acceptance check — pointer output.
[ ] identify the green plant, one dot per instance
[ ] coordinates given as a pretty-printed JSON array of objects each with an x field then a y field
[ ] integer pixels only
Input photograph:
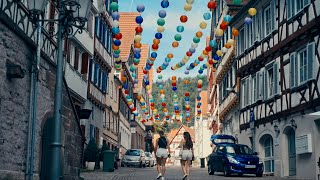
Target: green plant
[{"x": 91, "y": 151}]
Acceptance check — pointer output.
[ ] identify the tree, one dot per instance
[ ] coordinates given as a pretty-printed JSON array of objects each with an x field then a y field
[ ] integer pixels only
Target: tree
[{"x": 90, "y": 152}]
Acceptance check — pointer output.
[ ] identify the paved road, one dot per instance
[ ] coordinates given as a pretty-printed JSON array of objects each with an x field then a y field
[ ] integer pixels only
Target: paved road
[{"x": 173, "y": 173}]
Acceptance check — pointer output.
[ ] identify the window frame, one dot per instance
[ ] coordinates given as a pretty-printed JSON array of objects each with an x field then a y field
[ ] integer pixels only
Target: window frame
[
  {"x": 298, "y": 54},
  {"x": 265, "y": 20}
]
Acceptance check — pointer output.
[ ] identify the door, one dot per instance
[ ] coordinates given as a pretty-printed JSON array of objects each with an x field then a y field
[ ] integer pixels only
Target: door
[
  {"x": 292, "y": 152},
  {"x": 219, "y": 158}
]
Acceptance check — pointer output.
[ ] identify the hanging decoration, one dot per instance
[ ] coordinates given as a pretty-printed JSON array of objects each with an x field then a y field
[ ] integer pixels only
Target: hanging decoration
[
  {"x": 117, "y": 36},
  {"x": 187, "y": 102}
]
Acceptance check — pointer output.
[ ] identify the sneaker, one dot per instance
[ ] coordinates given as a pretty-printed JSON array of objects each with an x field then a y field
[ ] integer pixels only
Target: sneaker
[
  {"x": 162, "y": 178},
  {"x": 185, "y": 177},
  {"x": 159, "y": 176}
]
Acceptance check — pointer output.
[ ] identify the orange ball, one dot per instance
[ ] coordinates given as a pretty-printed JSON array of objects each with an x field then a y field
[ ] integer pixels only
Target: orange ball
[
  {"x": 161, "y": 91},
  {"x": 156, "y": 41},
  {"x": 235, "y": 32},
  {"x": 186, "y": 82},
  {"x": 170, "y": 55},
  {"x": 205, "y": 52},
  {"x": 175, "y": 44},
  {"x": 137, "y": 45},
  {"x": 152, "y": 59},
  {"x": 114, "y": 47},
  {"x": 174, "y": 78},
  {"x": 183, "y": 18},
  {"x": 199, "y": 34},
  {"x": 227, "y": 46}
]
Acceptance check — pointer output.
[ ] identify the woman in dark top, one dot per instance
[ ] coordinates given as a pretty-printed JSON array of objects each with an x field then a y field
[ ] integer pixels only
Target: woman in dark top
[
  {"x": 187, "y": 154},
  {"x": 162, "y": 150}
]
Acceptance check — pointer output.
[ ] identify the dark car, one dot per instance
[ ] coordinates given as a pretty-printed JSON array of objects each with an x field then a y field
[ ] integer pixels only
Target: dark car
[{"x": 231, "y": 158}]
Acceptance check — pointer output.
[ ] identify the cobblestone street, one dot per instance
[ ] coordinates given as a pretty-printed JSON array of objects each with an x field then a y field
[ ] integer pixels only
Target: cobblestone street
[{"x": 173, "y": 173}]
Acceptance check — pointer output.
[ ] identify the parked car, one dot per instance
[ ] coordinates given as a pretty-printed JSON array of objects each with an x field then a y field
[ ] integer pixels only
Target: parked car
[
  {"x": 134, "y": 157},
  {"x": 229, "y": 158},
  {"x": 150, "y": 160}
]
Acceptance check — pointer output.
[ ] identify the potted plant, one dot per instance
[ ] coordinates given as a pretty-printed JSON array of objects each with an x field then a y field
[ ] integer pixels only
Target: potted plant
[
  {"x": 90, "y": 154},
  {"x": 103, "y": 148}
]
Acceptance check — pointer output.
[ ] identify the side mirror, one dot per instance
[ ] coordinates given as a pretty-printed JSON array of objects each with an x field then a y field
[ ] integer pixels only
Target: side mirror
[{"x": 255, "y": 153}]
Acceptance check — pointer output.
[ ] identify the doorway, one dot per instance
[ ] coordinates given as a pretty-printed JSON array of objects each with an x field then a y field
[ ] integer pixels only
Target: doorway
[{"x": 292, "y": 151}]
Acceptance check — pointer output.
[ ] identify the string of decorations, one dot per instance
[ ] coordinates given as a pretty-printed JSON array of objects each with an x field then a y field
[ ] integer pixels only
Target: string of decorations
[
  {"x": 117, "y": 36},
  {"x": 187, "y": 101}
]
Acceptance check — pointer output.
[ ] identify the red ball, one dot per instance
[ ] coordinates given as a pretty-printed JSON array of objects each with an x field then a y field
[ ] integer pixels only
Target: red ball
[
  {"x": 160, "y": 68},
  {"x": 208, "y": 48},
  {"x": 118, "y": 36},
  {"x": 163, "y": 104},
  {"x": 126, "y": 91},
  {"x": 139, "y": 29},
  {"x": 174, "y": 84},
  {"x": 145, "y": 71},
  {"x": 210, "y": 61},
  {"x": 189, "y": 53},
  {"x": 187, "y": 94},
  {"x": 188, "y": 109},
  {"x": 212, "y": 5},
  {"x": 223, "y": 26},
  {"x": 155, "y": 46},
  {"x": 152, "y": 104},
  {"x": 199, "y": 85},
  {"x": 183, "y": 18},
  {"x": 133, "y": 109},
  {"x": 198, "y": 106},
  {"x": 200, "y": 58}
]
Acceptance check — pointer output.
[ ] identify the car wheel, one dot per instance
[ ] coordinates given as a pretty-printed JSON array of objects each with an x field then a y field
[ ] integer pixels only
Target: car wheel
[
  {"x": 210, "y": 171},
  {"x": 240, "y": 174},
  {"x": 259, "y": 175},
  {"x": 226, "y": 172},
  {"x": 122, "y": 165}
]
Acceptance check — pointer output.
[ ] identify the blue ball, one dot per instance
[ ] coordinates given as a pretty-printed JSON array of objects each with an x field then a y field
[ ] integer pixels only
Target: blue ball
[
  {"x": 147, "y": 82},
  {"x": 213, "y": 43},
  {"x": 115, "y": 15},
  {"x": 216, "y": 57},
  {"x": 166, "y": 64},
  {"x": 199, "y": 98},
  {"x": 137, "y": 56},
  {"x": 167, "y": 59},
  {"x": 137, "y": 50},
  {"x": 192, "y": 66},
  {"x": 118, "y": 62},
  {"x": 162, "y": 13},
  {"x": 154, "y": 55},
  {"x": 148, "y": 67},
  {"x": 206, "y": 16},
  {"x": 165, "y": 4},
  {"x": 174, "y": 88},
  {"x": 116, "y": 55},
  {"x": 186, "y": 99},
  {"x": 176, "y": 108},
  {"x": 125, "y": 86},
  {"x": 117, "y": 42},
  {"x": 140, "y": 8},
  {"x": 158, "y": 35},
  {"x": 180, "y": 29},
  {"x": 192, "y": 50},
  {"x": 200, "y": 71},
  {"x": 115, "y": 30},
  {"x": 204, "y": 66},
  {"x": 139, "y": 19}
]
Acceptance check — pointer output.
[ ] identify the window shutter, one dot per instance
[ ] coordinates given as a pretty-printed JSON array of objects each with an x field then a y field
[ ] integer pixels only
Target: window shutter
[
  {"x": 104, "y": 78},
  {"x": 296, "y": 80},
  {"x": 95, "y": 77},
  {"x": 248, "y": 91},
  {"x": 311, "y": 59},
  {"x": 258, "y": 86},
  {"x": 76, "y": 58},
  {"x": 85, "y": 59},
  {"x": 292, "y": 70},
  {"x": 90, "y": 69},
  {"x": 289, "y": 10},
  {"x": 262, "y": 84},
  {"x": 262, "y": 24},
  {"x": 68, "y": 45},
  {"x": 275, "y": 78},
  {"x": 273, "y": 14},
  {"x": 51, "y": 16},
  {"x": 96, "y": 26}
]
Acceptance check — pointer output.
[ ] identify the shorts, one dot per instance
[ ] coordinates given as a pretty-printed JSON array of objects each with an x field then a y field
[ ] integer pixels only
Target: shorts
[
  {"x": 162, "y": 153},
  {"x": 186, "y": 155}
]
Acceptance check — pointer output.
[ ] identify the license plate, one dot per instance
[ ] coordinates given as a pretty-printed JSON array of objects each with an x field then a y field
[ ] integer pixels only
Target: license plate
[{"x": 250, "y": 166}]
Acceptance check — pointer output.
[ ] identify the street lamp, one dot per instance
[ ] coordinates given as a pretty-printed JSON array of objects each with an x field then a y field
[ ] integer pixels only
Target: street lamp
[{"x": 72, "y": 13}]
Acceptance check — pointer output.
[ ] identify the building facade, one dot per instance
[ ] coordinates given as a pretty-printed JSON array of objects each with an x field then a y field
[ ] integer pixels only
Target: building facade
[{"x": 278, "y": 66}]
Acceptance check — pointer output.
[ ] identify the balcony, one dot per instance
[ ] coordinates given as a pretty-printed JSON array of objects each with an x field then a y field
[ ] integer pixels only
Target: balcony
[
  {"x": 102, "y": 55},
  {"x": 76, "y": 81},
  {"x": 96, "y": 95},
  {"x": 225, "y": 65},
  {"x": 227, "y": 105}
]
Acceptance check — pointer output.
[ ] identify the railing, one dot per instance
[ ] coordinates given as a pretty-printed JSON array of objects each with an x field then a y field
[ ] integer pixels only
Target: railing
[
  {"x": 96, "y": 93},
  {"x": 103, "y": 52}
]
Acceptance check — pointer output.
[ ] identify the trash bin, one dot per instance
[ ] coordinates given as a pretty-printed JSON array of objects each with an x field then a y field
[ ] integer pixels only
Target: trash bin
[
  {"x": 202, "y": 162},
  {"x": 108, "y": 161}
]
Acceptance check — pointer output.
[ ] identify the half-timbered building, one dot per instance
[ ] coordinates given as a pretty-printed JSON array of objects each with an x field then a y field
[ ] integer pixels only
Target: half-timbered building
[{"x": 278, "y": 57}]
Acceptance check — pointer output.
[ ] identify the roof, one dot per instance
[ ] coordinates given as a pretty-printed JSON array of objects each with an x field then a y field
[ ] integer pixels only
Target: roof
[
  {"x": 144, "y": 57},
  {"x": 204, "y": 102},
  {"x": 175, "y": 132},
  {"x": 127, "y": 28}
]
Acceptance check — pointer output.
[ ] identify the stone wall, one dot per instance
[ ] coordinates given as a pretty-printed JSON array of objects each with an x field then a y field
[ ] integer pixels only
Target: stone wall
[{"x": 14, "y": 111}]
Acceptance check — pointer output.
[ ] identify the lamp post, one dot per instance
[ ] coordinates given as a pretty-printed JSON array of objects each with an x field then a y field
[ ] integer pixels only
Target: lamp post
[{"x": 72, "y": 13}]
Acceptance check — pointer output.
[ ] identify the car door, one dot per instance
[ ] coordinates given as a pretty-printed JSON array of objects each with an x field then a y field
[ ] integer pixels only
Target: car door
[{"x": 219, "y": 158}]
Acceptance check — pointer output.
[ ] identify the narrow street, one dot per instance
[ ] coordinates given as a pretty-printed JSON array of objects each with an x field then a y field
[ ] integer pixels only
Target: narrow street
[{"x": 173, "y": 173}]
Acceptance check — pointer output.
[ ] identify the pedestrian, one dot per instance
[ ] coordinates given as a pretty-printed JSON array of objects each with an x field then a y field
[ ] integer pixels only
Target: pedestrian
[
  {"x": 162, "y": 150},
  {"x": 187, "y": 154}
]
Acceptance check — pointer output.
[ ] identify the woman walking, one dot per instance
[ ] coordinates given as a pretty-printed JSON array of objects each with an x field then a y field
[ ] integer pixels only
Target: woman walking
[
  {"x": 187, "y": 154},
  {"x": 162, "y": 145}
]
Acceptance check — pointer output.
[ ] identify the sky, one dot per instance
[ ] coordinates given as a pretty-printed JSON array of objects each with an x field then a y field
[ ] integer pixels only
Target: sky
[{"x": 174, "y": 11}]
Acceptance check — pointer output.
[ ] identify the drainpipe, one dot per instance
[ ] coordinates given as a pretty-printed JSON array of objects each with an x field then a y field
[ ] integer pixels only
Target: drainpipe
[{"x": 33, "y": 105}]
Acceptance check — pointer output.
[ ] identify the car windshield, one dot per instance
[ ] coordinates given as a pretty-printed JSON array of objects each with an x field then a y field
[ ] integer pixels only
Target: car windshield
[
  {"x": 133, "y": 153},
  {"x": 147, "y": 154},
  {"x": 239, "y": 149}
]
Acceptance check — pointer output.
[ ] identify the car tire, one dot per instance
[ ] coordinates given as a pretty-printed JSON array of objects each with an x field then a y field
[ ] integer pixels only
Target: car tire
[
  {"x": 122, "y": 165},
  {"x": 226, "y": 172},
  {"x": 210, "y": 170},
  {"x": 240, "y": 174},
  {"x": 259, "y": 175}
]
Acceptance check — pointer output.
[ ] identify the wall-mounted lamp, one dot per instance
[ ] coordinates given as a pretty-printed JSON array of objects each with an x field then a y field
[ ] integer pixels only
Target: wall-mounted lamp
[
  {"x": 14, "y": 70},
  {"x": 231, "y": 90},
  {"x": 293, "y": 123},
  {"x": 276, "y": 129}
]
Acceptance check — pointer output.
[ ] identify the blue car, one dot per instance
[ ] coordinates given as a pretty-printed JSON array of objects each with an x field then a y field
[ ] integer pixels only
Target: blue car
[{"x": 231, "y": 158}]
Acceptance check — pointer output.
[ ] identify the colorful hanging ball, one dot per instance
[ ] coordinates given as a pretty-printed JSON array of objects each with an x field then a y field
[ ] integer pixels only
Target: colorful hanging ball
[
  {"x": 170, "y": 55},
  {"x": 230, "y": 42},
  {"x": 165, "y": 4},
  {"x": 155, "y": 46},
  {"x": 154, "y": 54},
  {"x": 158, "y": 36},
  {"x": 177, "y": 37},
  {"x": 115, "y": 30},
  {"x": 196, "y": 40},
  {"x": 190, "y": 1},
  {"x": 186, "y": 72},
  {"x": 248, "y": 20},
  {"x": 219, "y": 32},
  {"x": 114, "y": 6},
  {"x": 224, "y": 50},
  {"x": 174, "y": 88},
  {"x": 183, "y": 18},
  {"x": 117, "y": 42},
  {"x": 252, "y": 11},
  {"x": 140, "y": 8},
  {"x": 160, "y": 29},
  {"x": 203, "y": 25},
  {"x": 161, "y": 21},
  {"x": 208, "y": 48},
  {"x": 137, "y": 38},
  {"x": 180, "y": 29},
  {"x": 115, "y": 15},
  {"x": 219, "y": 53},
  {"x": 235, "y": 32},
  {"x": 139, "y": 29},
  {"x": 175, "y": 44},
  {"x": 206, "y": 16},
  {"x": 227, "y": 18},
  {"x": 192, "y": 50},
  {"x": 118, "y": 36},
  {"x": 216, "y": 57},
  {"x": 213, "y": 43},
  {"x": 237, "y": 2},
  {"x": 162, "y": 13},
  {"x": 199, "y": 34},
  {"x": 187, "y": 7},
  {"x": 139, "y": 19},
  {"x": 212, "y": 5},
  {"x": 223, "y": 26}
]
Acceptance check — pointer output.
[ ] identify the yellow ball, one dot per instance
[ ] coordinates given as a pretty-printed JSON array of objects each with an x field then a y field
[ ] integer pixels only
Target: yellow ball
[
  {"x": 148, "y": 87},
  {"x": 252, "y": 11},
  {"x": 137, "y": 38},
  {"x": 231, "y": 42},
  {"x": 219, "y": 53},
  {"x": 160, "y": 29},
  {"x": 187, "y": 7},
  {"x": 203, "y": 25},
  {"x": 219, "y": 32},
  {"x": 199, "y": 81}
]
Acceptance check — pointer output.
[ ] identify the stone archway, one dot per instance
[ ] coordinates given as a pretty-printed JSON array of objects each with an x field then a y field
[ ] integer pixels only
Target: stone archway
[{"x": 267, "y": 152}]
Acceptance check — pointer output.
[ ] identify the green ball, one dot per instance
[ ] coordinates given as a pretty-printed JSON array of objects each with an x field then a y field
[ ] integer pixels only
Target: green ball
[
  {"x": 175, "y": 96},
  {"x": 196, "y": 40},
  {"x": 117, "y": 51},
  {"x": 201, "y": 76},
  {"x": 136, "y": 60},
  {"x": 161, "y": 21},
  {"x": 177, "y": 37},
  {"x": 114, "y": 6},
  {"x": 160, "y": 77},
  {"x": 237, "y": 1}
]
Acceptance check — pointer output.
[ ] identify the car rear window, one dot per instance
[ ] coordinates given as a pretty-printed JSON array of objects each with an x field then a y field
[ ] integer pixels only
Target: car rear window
[{"x": 133, "y": 152}]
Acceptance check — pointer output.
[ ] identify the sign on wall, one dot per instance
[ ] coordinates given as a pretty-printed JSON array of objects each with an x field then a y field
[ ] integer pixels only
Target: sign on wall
[
  {"x": 304, "y": 144},
  {"x": 133, "y": 130}
]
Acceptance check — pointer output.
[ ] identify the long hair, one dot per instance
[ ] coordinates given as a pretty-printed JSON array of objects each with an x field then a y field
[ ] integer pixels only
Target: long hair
[{"x": 188, "y": 139}]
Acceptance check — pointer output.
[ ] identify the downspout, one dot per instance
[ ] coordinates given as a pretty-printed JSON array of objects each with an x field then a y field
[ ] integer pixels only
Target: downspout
[{"x": 33, "y": 105}]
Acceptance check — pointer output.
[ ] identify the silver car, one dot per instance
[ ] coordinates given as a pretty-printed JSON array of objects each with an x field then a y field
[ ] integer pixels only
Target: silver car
[
  {"x": 150, "y": 160},
  {"x": 134, "y": 157}
]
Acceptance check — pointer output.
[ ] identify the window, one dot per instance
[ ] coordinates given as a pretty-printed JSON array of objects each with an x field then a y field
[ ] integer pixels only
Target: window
[
  {"x": 111, "y": 87},
  {"x": 114, "y": 124},
  {"x": 268, "y": 154},
  {"x": 105, "y": 119},
  {"x": 302, "y": 65},
  {"x": 90, "y": 23},
  {"x": 272, "y": 81},
  {"x": 109, "y": 120},
  {"x": 256, "y": 27},
  {"x": 267, "y": 20},
  {"x": 254, "y": 88},
  {"x": 296, "y": 6},
  {"x": 245, "y": 89},
  {"x": 249, "y": 35},
  {"x": 241, "y": 42}
]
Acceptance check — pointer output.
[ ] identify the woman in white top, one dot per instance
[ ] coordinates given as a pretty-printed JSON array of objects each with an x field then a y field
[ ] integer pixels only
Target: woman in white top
[
  {"x": 187, "y": 154},
  {"x": 162, "y": 150}
]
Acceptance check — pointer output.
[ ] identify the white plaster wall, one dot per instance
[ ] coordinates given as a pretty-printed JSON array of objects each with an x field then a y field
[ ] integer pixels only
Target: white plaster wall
[{"x": 75, "y": 81}]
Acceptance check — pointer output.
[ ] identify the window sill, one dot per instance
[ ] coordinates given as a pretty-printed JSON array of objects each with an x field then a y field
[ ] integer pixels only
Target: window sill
[
  {"x": 272, "y": 98},
  {"x": 302, "y": 86}
]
